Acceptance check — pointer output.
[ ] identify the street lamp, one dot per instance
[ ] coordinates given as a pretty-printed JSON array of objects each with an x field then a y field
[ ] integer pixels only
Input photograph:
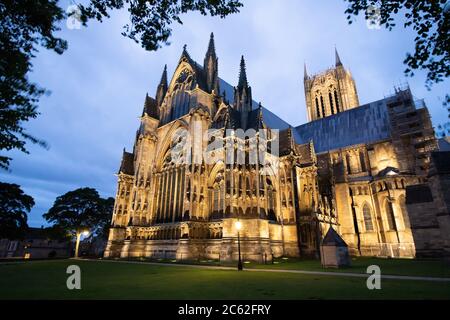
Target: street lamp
[
  {"x": 238, "y": 225},
  {"x": 77, "y": 244}
]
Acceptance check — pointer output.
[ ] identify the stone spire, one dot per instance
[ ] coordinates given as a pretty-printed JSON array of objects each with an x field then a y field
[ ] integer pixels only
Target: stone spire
[
  {"x": 162, "y": 87},
  {"x": 242, "y": 75},
  {"x": 210, "y": 65},
  {"x": 337, "y": 58},
  {"x": 211, "y": 47},
  {"x": 305, "y": 72},
  {"x": 164, "y": 76},
  {"x": 243, "y": 92}
]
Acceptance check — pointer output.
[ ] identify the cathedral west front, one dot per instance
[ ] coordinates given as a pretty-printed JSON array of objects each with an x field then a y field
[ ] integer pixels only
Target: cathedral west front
[{"x": 206, "y": 155}]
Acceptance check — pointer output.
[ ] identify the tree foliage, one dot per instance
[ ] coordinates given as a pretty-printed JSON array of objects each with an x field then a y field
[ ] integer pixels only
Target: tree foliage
[
  {"x": 24, "y": 26},
  {"x": 429, "y": 19},
  {"x": 150, "y": 20},
  {"x": 14, "y": 207},
  {"x": 81, "y": 209},
  {"x": 431, "y": 22},
  {"x": 56, "y": 232}
]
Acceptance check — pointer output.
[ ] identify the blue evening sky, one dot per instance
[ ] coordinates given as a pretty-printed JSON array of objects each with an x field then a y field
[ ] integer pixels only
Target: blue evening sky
[{"x": 98, "y": 85}]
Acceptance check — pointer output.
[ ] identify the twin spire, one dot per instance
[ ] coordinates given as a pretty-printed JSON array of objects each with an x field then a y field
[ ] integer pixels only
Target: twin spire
[
  {"x": 242, "y": 93},
  {"x": 337, "y": 58},
  {"x": 162, "y": 87},
  {"x": 242, "y": 75},
  {"x": 164, "y": 76},
  {"x": 211, "y": 47},
  {"x": 211, "y": 68}
]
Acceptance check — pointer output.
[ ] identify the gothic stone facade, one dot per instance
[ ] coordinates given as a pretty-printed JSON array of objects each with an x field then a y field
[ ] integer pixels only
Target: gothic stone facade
[
  {"x": 347, "y": 169},
  {"x": 428, "y": 207}
]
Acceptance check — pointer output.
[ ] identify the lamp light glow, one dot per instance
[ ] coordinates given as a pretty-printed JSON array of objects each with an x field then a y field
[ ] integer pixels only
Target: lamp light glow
[{"x": 238, "y": 225}]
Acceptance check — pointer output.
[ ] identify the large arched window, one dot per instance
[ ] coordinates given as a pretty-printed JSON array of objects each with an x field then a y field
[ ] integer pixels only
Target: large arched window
[
  {"x": 271, "y": 203},
  {"x": 390, "y": 215},
  {"x": 405, "y": 215},
  {"x": 362, "y": 161},
  {"x": 317, "y": 108},
  {"x": 179, "y": 99},
  {"x": 331, "y": 102},
  {"x": 336, "y": 100},
  {"x": 368, "y": 224},
  {"x": 323, "y": 106},
  {"x": 348, "y": 160}
]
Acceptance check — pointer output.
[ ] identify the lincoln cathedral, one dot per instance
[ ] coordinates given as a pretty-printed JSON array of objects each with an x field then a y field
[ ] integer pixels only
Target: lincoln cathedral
[{"x": 364, "y": 170}]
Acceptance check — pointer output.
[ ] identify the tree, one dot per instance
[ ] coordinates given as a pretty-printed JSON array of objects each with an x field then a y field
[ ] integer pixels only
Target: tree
[
  {"x": 14, "y": 206},
  {"x": 431, "y": 22},
  {"x": 28, "y": 25},
  {"x": 56, "y": 232},
  {"x": 151, "y": 19},
  {"x": 24, "y": 25},
  {"x": 443, "y": 129},
  {"x": 104, "y": 224},
  {"x": 79, "y": 210}
]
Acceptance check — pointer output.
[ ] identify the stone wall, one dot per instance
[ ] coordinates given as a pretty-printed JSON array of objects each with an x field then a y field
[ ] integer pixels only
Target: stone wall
[{"x": 428, "y": 207}]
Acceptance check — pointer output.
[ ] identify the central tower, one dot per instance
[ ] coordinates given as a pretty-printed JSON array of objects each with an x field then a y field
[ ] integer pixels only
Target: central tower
[{"x": 330, "y": 92}]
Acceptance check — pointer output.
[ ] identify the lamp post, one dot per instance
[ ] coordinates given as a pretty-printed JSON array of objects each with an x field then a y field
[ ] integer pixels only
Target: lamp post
[
  {"x": 238, "y": 225},
  {"x": 77, "y": 243}
]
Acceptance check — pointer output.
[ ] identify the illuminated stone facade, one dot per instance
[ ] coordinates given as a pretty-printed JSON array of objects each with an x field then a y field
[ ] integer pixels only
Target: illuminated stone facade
[{"x": 352, "y": 180}]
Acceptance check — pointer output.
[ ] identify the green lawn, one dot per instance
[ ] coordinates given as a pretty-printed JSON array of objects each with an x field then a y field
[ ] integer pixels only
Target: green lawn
[
  {"x": 109, "y": 280},
  {"x": 405, "y": 267}
]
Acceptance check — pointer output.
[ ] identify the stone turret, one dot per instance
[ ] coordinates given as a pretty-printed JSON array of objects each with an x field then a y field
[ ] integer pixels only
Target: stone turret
[
  {"x": 210, "y": 66},
  {"x": 162, "y": 87},
  {"x": 243, "y": 92}
]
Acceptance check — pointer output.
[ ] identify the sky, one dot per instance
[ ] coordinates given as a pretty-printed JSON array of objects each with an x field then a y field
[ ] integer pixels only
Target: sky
[{"x": 99, "y": 84}]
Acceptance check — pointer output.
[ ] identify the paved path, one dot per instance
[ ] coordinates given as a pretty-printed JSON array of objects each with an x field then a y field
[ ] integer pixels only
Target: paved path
[{"x": 320, "y": 273}]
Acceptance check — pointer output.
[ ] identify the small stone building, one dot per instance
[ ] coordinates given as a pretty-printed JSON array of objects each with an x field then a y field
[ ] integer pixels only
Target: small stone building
[{"x": 334, "y": 250}]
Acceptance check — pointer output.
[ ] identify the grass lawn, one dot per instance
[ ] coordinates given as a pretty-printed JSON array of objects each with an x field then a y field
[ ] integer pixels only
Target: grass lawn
[
  {"x": 403, "y": 267},
  {"x": 406, "y": 267},
  {"x": 109, "y": 280}
]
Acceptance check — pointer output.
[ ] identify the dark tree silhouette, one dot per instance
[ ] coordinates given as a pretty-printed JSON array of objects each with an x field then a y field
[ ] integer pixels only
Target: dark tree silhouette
[
  {"x": 28, "y": 25},
  {"x": 14, "y": 206},
  {"x": 56, "y": 232},
  {"x": 443, "y": 129},
  {"x": 79, "y": 210},
  {"x": 431, "y": 22},
  {"x": 24, "y": 25},
  {"x": 151, "y": 19},
  {"x": 102, "y": 229}
]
